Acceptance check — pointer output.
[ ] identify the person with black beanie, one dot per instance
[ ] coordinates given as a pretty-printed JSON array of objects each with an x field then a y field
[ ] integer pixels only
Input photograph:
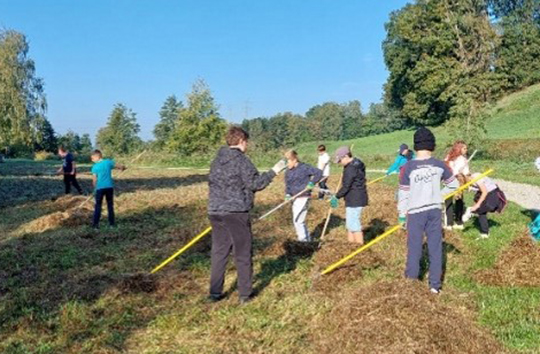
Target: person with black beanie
[{"x": 421, "y": 198}]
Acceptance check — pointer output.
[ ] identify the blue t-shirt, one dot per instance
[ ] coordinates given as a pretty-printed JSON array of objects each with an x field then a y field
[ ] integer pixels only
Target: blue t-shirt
[{"x": 103, "y": 171}]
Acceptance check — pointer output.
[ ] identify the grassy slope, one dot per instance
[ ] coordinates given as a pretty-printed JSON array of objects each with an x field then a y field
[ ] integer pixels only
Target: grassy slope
[
  {"x": 517, "y": 116},
  {"x": 61, "y": 290}
]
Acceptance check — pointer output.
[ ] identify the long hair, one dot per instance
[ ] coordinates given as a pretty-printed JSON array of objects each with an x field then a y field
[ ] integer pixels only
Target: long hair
[{"x": 455, "y": 151}]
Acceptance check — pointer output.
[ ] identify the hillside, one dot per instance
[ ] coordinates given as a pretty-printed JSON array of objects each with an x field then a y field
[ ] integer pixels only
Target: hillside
[{"x": 513, "y": 140}]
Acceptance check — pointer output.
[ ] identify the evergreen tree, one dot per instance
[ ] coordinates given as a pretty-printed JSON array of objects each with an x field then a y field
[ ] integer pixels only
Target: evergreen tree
[
  {"x": 45, "y": 137},
  {"x": 120, "y": 135},
  {"x": 168, "y": 116}
]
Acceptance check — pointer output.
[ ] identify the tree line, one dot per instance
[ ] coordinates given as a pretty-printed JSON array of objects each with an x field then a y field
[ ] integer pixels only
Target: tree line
[{"x": 447, "y": 60}]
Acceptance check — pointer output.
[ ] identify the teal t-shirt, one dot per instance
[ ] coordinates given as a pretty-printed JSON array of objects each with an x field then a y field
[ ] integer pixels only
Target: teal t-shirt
[{"x": 103, "y": 171}]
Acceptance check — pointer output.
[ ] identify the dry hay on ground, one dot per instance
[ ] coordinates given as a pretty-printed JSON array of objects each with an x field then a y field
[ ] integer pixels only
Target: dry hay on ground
[
  {"x": 72, "y": 215},
  {"x": 137, "y": 283},
  {"x": 519, "y": 265},
  {"x": 399, "y": 317},
  {"x": 333, "y": 251}
]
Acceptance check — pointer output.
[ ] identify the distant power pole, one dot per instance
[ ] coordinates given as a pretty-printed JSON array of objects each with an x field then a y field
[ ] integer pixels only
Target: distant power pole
[{"x": 247, "y": 107}]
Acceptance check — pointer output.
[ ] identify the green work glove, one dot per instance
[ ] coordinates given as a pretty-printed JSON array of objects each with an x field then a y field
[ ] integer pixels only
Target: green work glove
[
  {"x": 288, "y": 197},
  {"x": 402, "y": 219},
  {"x": 334, "y": 202},
  {"x": 310, "y": 185}
]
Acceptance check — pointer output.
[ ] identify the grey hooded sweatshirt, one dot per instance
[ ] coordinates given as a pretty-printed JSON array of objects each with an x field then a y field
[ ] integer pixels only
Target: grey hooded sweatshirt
[{"x": 232, "y": 181}]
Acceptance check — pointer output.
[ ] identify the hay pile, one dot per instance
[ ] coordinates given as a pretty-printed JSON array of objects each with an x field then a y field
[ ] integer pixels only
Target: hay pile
[
  {"x": 71, "y": 215},
  {"x": 333, "y": 251},
  {"x": 519, "y": 265},
  {"x": 399, "y": 317}
]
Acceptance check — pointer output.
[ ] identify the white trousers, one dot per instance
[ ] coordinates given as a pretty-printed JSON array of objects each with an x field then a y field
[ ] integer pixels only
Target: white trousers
[{"x": 299, "y": 209}]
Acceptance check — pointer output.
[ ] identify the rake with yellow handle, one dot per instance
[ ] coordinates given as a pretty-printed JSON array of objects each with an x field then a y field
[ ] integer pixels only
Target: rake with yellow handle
[{"x": 397, "y": 227}]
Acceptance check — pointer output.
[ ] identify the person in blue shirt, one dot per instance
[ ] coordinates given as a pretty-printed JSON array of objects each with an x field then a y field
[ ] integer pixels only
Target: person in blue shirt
[
  {"x": 104, "y": 185},
  {"x": 404, "y": 156}
]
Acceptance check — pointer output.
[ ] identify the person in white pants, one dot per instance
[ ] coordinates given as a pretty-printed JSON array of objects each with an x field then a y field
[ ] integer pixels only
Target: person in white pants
[{"x": 300, "y": 179}]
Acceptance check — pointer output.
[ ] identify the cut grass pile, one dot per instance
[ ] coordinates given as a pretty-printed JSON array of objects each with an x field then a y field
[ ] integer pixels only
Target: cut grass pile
[
  {"x": 518, "y": 266},
  {"x": 400, "y": 317}
]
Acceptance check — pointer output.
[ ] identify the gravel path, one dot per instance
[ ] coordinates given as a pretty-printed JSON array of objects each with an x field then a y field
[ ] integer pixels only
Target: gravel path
[{"x": 525, "y": 195}]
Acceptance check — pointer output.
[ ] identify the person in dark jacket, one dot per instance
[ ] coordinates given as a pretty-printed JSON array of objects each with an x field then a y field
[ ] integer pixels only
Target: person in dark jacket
[
  {"x": 232, "y": 182},
  {"x": 298, "y": 177},
  {"x": 69, "y": 170},
  {"x": 353, "y": 190}
]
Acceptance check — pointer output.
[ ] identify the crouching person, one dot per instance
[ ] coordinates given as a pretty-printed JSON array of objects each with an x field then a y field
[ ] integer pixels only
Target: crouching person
[
  {"x": 232, "y": 182},
  {"x": 421, "y": 198},
  {"x": 103, "y": 185},
  {"x": 299, "y": 177},
  {"x": 488, "y": 199},
  {"x": 353, "y": 190}
]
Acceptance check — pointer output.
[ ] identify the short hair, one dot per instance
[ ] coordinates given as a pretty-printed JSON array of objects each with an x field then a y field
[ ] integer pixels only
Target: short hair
[
  {"x": 291, "y": 155},
  {"x": 62, "y": 148},
  {"x": 235, "y": 135},
  {"x": 97, "y": 153},
  {"x": 321, "y": 148}
]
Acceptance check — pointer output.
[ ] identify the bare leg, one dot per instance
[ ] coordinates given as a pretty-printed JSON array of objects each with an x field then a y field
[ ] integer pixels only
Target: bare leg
[{"x": 358, "y": 237}]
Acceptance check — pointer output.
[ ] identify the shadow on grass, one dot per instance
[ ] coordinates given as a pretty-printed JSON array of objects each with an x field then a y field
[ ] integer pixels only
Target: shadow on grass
[
  {"x": 20, "y": 190},
  {"x": 44, "y": 275},
  {"x": 448, "y": 248},
  {"x": 286, "y": 263}
]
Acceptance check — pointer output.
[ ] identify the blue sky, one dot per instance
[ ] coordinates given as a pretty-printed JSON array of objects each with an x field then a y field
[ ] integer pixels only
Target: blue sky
[{"x": 259, "y": 57}]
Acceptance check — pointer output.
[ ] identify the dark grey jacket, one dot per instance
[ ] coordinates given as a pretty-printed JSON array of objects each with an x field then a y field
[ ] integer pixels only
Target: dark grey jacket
[{"x": 233, "y": 180}]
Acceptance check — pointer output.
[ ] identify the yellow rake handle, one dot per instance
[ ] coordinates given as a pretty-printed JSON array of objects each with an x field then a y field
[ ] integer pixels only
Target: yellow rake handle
[
  {"x": 376, "y": 180},
  {"x": 397, "y": 227},
  {"x": 183, "y": 249}
]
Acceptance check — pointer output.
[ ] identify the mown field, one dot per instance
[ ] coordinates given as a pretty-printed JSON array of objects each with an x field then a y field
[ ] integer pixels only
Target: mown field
[{"x": 67, "y": 289}]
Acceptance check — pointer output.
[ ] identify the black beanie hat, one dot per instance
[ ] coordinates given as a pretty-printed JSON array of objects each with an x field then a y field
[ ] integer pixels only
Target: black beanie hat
[{"x": 424, "y": 140}]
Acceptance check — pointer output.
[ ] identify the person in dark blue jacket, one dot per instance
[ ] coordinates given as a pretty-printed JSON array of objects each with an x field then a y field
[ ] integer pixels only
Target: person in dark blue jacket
[
  {"x": 298, "y": 177},
  {"x": 69, "y": 170}
]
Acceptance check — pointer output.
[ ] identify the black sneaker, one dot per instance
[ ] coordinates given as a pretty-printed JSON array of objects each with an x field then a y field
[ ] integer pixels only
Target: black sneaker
[{"x": 212, "y": 298}]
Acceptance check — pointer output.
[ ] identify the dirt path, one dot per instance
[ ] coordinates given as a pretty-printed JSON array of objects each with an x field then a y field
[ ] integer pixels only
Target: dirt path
[{"x": 525, "y": 195}]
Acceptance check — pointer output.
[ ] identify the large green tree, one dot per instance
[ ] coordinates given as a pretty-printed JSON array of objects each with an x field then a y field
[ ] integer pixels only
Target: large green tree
[
  {"x": 70, "y": 141},
  {"x": 518, "y": 56},
  {"x": 168, "y": 116},
  {"x": 440, "y": 57},
  {"x": 326, "y": 121},
  {"x": 199, "y": 126},
  {"x": 120, "y": 135},
  {"x": 22, "y": 98}
]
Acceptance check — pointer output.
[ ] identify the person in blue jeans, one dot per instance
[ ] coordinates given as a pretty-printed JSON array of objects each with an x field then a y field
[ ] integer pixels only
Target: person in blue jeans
[{"x": 104, "y": 185}]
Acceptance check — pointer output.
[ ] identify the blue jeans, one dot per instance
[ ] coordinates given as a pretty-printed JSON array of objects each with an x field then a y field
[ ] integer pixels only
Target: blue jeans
[{"x": 108, "y": 193}]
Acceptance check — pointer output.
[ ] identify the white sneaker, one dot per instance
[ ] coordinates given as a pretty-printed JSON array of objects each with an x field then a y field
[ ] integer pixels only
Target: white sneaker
[
  {"x": 435, "y": 291},
  {"x": 448, "y": 228},
  {"x": 467, "y": 216},
  {"x": 483, "y": 236},
  {"x": 458, "y": 227}
]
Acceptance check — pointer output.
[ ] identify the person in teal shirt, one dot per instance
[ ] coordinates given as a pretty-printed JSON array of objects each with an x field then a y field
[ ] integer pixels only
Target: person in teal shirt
[
  {"x": 104, "y": 185},
  {"x": 404, "y": 156}
]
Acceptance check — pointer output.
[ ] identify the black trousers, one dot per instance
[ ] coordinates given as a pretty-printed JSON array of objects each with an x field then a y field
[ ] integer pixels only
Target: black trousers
[
  {"x": 454, "y": 211},
  {"x": 489, "y": 205},
  {"x": 69, "y": 180},
  {"x": 231, "y": 232},
  {"x": 322, "y": 185},
  {"x": 108, "y": 193}
]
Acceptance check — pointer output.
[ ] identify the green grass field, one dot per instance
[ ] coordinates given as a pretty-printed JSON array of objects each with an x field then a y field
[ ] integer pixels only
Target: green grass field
[{"x": 67, "y": 289}]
